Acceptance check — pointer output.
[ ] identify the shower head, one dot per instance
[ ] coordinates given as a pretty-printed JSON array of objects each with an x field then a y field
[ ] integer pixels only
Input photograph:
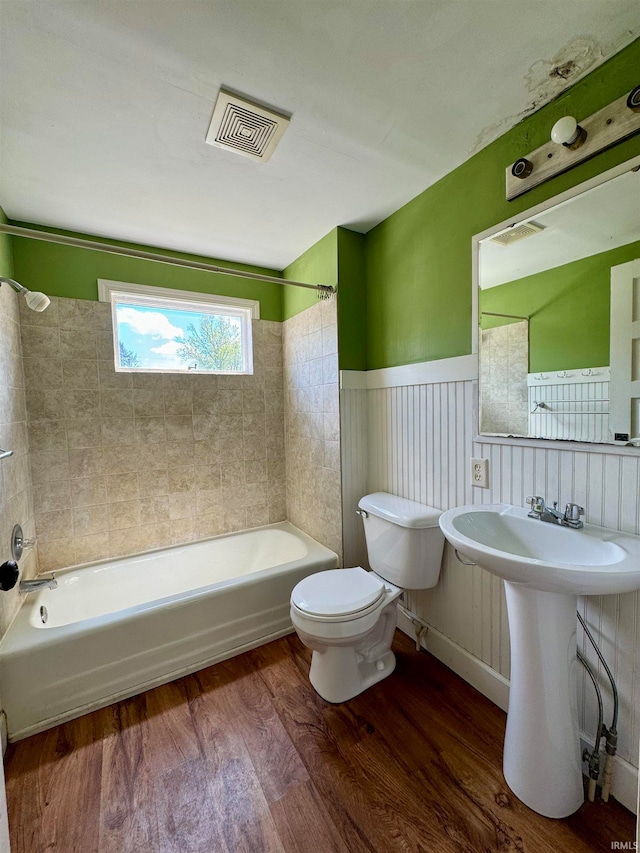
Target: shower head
[{"x": 35, "y": 300}]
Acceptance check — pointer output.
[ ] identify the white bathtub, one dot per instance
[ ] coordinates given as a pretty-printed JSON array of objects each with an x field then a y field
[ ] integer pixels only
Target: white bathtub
[{"x": 118, "y": 627}]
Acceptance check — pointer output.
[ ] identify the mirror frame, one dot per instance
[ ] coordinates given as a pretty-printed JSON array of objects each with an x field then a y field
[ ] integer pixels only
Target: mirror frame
[{"x": 602, "y": 178}]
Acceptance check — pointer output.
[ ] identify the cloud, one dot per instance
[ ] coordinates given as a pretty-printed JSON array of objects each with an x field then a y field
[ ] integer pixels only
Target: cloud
[
  {"x": 170, "y": 348},
  {"x": 149, "y": 323}
]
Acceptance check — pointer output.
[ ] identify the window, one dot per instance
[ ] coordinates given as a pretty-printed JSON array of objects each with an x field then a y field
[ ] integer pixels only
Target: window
[{"x": 156, "y": 330}]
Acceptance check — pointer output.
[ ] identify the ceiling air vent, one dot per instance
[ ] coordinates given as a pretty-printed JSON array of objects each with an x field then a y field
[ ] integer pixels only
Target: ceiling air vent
[
  {"x": 246, "y": 128},
  {"x": 518, "y": 232}
]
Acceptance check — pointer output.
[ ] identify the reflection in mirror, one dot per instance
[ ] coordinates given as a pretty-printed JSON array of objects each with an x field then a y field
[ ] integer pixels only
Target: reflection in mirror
[{"x": 546, "y": 318}]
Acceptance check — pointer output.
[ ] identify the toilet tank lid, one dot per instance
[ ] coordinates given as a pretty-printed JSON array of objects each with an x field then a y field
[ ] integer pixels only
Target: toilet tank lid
[{"x": 400, "y": 511}]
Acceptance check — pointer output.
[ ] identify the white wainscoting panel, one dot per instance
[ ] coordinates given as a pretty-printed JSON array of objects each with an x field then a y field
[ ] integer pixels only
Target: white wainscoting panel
[{"x": 420, "y": 439}]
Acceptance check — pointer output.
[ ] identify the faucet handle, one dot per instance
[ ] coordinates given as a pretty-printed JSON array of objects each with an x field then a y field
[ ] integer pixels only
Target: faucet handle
[
  {"x": 573, "y": 512},
  {"x": 536, "y": 503}
]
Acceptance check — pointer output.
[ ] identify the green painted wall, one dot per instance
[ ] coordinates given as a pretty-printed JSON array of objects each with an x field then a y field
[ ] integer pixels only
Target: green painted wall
[
  {"x": 418, "y": 261},
  {"x": 6, "y": 257},
  {"x": 352, "y": 301},
  {"x": 72, "y": 272},
  {"x": 318, "y": 265},
  {"x": 337, "y": 259},
  {"x": 568, "y": 307}
]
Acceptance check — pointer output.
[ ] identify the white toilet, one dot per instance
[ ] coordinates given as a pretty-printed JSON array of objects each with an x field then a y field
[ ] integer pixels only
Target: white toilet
[{"x": 348, "y": 616}]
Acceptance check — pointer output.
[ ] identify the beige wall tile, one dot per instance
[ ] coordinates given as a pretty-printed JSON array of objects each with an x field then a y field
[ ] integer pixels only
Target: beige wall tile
[
  {"x": 56, "y": 555},
  {"x": 154, "y": 510},
  {"x": 80, "y": 374},
  {"x": 52, "y": 495},
  {"x": 86, "y": 462},
  {"x": 42, "y": 373},
  {"x": 179, "y": 428},
  {"x": 150, "y": 430},
  {"x": 81, "y": 404},
  {"x": 182, "y": 505},
  {"x": 49, "y": 465},
  {"x": 182, "y": 479},
  {"x": 83, "y": 432},
  {"x": 122, "y": 487},
  {"x": 124, "y": 514},
  {"x": 184, "y": 530},
  {"x": 206, "y": 477},
  {"x": 88, "y": 491},
  {"x": 54, "y": 525},
  {"x": 116, "y": 404},
  {"x": 88, "y": 520},
  {"x": 178, "y": 454},
  {"x": 153, "y": 483},
  {"x": 108, "y": 377},
  {"x": 44, "y": 404},
  {"x": 117, "y": 432},
  {"x": 77, "y": 344},
  {"x": 177, "y": 402},
  {"x": 47, "y": 435},
  {"x": 147, "y": 403},
  {"x": 77, "y": 314},
  {"x": 91, "y": 548},
  {"x": 40, "y": 342}
]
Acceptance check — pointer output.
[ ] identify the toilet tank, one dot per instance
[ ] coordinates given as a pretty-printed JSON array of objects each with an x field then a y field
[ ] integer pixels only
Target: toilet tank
[{"x": 404, "y": 540}]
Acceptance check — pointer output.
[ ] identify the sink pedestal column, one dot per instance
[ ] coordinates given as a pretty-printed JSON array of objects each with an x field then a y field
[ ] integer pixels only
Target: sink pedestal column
[{"x": 542, "y": 762}]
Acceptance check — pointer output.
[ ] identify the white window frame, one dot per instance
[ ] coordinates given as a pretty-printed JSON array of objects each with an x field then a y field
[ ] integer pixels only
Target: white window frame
[{"x": 163, "y": 297}]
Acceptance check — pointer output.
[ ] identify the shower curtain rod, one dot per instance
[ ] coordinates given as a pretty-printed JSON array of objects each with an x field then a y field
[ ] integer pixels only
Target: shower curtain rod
[
  {"x": 325, "y": 290},
  {"x": 513, "y": 316}
]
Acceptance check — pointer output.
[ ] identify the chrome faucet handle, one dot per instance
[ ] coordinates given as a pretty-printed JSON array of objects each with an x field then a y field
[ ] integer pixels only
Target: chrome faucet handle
[
  {"x": 572, "y": 515},
  {"x": 536, "y": 503}
]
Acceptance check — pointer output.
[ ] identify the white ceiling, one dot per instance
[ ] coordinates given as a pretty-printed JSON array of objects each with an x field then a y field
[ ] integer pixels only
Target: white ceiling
[{"x": 104, "y": 107}]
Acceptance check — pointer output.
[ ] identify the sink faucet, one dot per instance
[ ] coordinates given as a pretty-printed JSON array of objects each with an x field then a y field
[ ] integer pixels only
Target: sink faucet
[
  {"x": 38, "y": 583},
  {"x": 542, "y": 512}
]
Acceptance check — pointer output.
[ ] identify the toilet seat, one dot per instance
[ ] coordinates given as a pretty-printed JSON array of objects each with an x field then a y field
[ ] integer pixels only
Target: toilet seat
[{"x": 338, "y": 594}]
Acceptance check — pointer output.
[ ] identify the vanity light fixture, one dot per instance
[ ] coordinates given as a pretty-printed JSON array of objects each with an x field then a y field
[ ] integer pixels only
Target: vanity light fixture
[
  {"x": 35, "y": 300},
  {"x": 573, "y": 142}
]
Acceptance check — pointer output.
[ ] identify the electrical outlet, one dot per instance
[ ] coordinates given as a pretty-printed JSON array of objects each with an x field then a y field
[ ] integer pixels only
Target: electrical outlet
[{"x": 480, "y": 473}]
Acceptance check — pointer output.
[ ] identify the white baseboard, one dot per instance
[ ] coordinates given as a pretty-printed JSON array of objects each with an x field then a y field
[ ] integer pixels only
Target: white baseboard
[{"x": 495, "y": 687}]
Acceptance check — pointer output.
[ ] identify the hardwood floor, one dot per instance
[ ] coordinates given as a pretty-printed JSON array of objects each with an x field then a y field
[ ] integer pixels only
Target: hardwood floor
[{"x": 244, "y": 757}]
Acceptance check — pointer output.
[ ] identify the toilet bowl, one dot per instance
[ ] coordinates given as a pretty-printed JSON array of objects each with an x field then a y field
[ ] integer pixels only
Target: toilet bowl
[{"x": 347, "y": 617}]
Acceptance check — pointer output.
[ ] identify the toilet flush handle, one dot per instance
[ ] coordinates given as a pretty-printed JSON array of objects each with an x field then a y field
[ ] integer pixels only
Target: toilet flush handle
[{"x": 362, "y": 513}]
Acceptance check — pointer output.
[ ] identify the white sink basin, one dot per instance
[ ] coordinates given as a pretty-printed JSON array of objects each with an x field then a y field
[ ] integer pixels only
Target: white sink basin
[{"x": 543, "y": 556}]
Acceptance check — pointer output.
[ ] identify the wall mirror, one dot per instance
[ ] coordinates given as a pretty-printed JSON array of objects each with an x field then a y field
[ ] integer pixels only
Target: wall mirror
[{"x": 559, "y": 316}]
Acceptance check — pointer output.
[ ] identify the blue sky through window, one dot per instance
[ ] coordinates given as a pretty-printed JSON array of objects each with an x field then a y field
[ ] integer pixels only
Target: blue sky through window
[{"x": 153, "y": 334}]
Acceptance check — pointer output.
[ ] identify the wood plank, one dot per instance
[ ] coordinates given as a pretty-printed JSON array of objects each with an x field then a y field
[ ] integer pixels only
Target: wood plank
[
  {"x": 54, "y": 803},
  {"x": 237, "y": 802},
  {"x": 128, "y": 819},
  {"x": 187, "y": 818},
  {"x": 303, "y": 823},
  {"x": 275, "y": 759}
]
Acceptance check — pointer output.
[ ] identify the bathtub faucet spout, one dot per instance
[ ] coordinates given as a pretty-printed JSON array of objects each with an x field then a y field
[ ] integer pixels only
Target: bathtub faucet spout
[{"x": 38, "y": 583}]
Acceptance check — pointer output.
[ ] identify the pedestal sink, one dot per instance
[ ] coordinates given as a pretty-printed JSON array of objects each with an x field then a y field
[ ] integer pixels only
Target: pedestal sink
[{"x": 545, "y": 567}]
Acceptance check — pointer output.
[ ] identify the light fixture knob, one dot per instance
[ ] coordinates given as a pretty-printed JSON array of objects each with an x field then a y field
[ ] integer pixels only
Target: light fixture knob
[
  {"x": 522, "y": 168},
  {"x": 633, "y": 101},
  {"x": 566, "y": 131}
]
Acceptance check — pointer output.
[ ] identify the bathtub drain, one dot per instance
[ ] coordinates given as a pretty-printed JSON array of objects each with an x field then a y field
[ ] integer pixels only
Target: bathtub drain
[{"x": 44, "y": 615}]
